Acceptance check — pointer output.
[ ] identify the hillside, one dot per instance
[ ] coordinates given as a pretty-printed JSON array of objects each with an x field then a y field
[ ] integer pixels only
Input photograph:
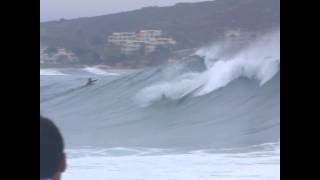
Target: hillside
[{"x": 191, "y": 24}]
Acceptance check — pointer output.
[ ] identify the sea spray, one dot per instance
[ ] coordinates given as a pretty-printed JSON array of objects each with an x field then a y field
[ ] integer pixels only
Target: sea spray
[{"x": 258, "y": 59}]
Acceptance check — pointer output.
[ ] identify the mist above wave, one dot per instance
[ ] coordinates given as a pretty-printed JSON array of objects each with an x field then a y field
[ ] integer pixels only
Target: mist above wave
[{"x": 257, "y": 59}]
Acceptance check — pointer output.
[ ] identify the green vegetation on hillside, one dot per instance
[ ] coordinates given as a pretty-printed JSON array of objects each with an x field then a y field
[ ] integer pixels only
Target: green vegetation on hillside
[{"x": 192, "y": 25}]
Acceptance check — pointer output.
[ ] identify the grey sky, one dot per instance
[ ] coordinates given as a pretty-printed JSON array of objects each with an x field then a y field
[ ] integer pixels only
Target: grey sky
[{"x": 56, "y": 9}]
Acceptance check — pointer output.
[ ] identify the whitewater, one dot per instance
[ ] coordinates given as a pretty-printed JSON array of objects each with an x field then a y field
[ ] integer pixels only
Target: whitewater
[{"x": 213, "y": 115}]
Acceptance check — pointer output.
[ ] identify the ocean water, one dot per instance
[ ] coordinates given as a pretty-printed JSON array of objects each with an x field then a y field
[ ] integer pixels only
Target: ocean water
[
  {"x": 157, "y": 164},
  {"x": 214, "y": 115}
]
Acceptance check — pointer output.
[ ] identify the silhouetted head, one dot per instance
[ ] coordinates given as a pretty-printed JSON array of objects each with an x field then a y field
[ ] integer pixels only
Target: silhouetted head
[{"x": 52, "y": 157}]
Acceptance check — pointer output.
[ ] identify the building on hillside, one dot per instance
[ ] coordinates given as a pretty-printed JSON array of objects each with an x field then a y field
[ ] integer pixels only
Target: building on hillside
[
  {"x": 131, "y": 46},
  {"x": 58, "y": 56},
  {"x": 163, "y": 41},
  {"x": 120, "y": 38},
  {"x": 131, "y": 42},
  {"x": 148, "y": 35},
  {"x": 149, "y": 48}
]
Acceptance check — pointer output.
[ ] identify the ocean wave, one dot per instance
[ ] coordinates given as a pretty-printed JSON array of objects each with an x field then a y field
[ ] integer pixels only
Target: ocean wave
[{"x": 258, "y": 60}]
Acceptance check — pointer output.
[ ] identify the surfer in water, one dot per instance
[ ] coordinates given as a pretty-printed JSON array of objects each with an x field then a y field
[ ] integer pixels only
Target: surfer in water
[{"x": 90, "y": 81}]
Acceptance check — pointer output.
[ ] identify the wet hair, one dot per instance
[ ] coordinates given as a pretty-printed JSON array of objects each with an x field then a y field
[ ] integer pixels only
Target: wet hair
[{"x": 51, "y": 148}]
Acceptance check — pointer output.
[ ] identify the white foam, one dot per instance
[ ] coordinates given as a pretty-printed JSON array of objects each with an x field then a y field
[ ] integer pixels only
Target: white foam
[
  {"x": 99, "y": 71},
  {"x": 260, "y": 60},
  {"x": 260, "y": 165},
  {"x": 170, "y": 89},
  {"x": 51, "y": 72}
]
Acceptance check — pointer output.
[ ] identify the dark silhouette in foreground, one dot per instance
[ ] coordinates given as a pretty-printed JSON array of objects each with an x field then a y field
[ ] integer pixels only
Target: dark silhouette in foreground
[{"x": 52, "y": 156}]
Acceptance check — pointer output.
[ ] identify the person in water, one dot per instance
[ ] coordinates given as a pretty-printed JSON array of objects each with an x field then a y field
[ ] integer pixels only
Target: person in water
[
  {"x": 90, "y": 81},
  {"x": 52, "y": 156}
]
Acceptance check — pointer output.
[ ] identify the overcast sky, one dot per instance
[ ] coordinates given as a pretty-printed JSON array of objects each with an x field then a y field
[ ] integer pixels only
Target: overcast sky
[{"x": 56, "y": 9}]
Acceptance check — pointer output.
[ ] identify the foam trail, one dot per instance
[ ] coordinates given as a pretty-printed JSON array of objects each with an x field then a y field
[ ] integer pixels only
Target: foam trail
[{"x": 169, "y": 89}]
